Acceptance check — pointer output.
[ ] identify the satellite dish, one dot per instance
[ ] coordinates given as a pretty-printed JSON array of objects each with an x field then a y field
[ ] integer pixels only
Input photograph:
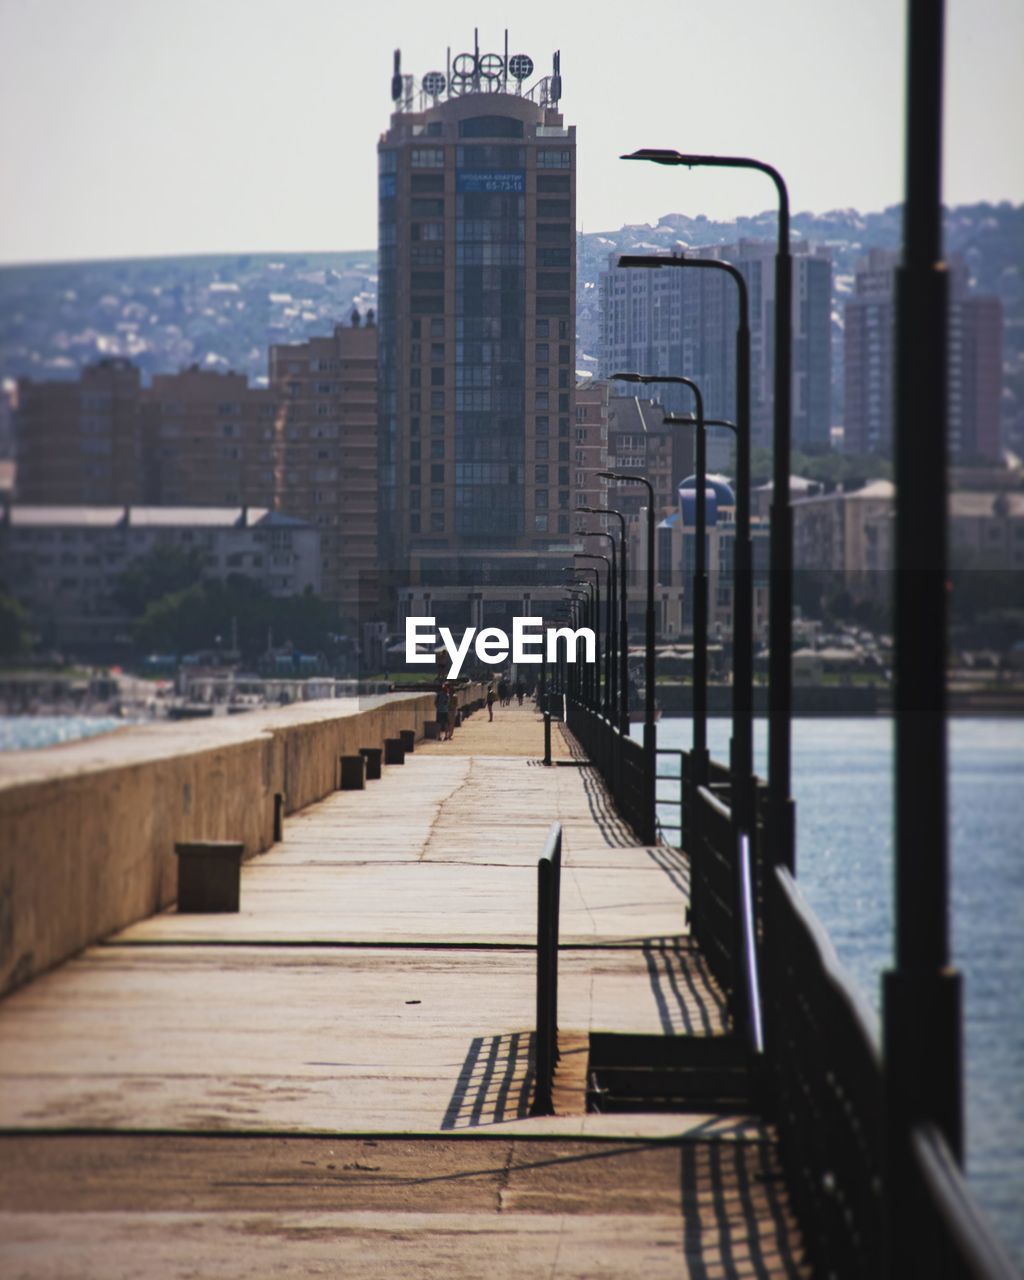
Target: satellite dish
[
  {"x": 520, "y": 66},
  {"x": 492, "y": 66},
  {"x": 433, "y": 84}
]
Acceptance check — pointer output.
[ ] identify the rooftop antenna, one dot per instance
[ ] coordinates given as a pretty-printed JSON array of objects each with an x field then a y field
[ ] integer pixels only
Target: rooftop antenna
[
  {"x": 396, "y": 77},
  {"x": 556, "y": 77},
  {"x": 504, "y": 66}
]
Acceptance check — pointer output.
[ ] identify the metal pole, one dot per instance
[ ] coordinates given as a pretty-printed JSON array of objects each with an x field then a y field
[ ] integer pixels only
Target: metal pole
[
  {"x": 922, "y": 993},
  {"x": 781, "y": 820},
  {"x": 623, "y": 681}
]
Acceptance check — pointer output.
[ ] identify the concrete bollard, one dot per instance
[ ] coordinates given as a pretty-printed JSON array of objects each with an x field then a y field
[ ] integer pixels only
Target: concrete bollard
[
  {"x": 407, "y": 737},
  {"x": 372, "y": 756},
  {"x": 393, "y": 752},
  {"x": 430, "y": 730},
  {"x": 209, "y": 872},
  {"x": 278, "y": 816},
  {"x": 353, "y": 773}
]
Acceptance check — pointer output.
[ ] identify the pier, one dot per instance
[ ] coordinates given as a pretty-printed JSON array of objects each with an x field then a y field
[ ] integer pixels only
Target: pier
[{"x": 340, "y": 1072}]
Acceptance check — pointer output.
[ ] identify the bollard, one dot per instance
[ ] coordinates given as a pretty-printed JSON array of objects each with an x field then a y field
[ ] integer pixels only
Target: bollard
[
  {"x": 278, "y": 816},
  {"x": 353, "y": 772},
  {"x": 393, "y": 752},
  {"x": 407, "y": 737},
  {"x": 209, "y": 872},
  {"x": 430, "y": 730},
  {"x": 372, "y": 756}
]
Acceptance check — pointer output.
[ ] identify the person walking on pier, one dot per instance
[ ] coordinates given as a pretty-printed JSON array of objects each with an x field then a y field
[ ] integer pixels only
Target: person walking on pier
[
  {"x": 490, "y": 702},
  {"x": 441, "y": 706},
  {"x": 453, "y": 713},
  {"x": 520, "y": 691}
]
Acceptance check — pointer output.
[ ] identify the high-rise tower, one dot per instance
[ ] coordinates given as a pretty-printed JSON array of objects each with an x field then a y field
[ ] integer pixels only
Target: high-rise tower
[{"x": 476, "y": 353}]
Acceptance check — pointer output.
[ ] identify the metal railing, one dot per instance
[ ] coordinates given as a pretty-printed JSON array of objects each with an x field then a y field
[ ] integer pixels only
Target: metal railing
[
  {"x": 620, "y": 761},
  {"x": 545, "y": 1041},
  {"x": 810, "y": 1036}
]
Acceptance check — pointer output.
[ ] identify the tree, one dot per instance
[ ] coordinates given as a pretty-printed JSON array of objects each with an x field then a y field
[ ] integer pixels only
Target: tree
[
  {"x": 161, "y": 572},
  {"x": 192, "y": 619},
  {"x": 15, "y": 633}
]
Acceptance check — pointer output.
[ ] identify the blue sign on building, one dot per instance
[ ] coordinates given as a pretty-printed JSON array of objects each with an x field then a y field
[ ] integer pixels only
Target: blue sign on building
[{"x": 472, "y": 180}]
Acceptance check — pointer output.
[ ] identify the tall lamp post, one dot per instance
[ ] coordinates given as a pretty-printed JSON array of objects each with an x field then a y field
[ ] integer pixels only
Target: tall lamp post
[
  {"x": 650, "y": 831},
  {"x": 781, "y": 826},
  {"x": 743, "y": 597},
  {"x": 579, "y": 601},
  {"x": 700, "y": 576},
  {"x": 623, "y": 681},
  {"x": 609, "y": 628},
  {"x": 596, "y": 622}
]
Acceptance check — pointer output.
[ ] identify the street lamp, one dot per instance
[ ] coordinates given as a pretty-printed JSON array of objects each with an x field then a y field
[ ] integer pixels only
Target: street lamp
[
  {"x": 596, "y": 677},
  {"x": 700, "y": 576},
  {"x": 623, "y": 619},
  {"x": 743, "y": 600},
  {"x": 611, "y": 648},
  {"x": 780, "y": 623},
  {"x": 649, "y": 834},
  {"x": 609, "y": 623}
]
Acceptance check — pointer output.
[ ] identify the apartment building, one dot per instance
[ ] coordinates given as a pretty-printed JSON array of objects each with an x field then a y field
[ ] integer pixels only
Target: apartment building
[{"x": 477, "y": 319}]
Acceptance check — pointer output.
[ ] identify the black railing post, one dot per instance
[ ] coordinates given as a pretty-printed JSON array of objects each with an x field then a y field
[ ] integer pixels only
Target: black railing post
[{"x": 545, "y": 1040}]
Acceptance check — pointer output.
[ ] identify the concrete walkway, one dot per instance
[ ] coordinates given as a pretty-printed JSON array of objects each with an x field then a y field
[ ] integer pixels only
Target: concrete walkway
[{"x": 358, "y": 1036}]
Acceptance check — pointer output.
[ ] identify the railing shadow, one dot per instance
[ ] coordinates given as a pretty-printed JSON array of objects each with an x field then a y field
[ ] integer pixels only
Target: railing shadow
[
  {"x": 737, "y": 1224},
  {"x": 688, "y": 1000},
  {"x": 495, "y": 1083},
  {"x": 675, "y": 864},
  {"x": 615, "y": 832}
]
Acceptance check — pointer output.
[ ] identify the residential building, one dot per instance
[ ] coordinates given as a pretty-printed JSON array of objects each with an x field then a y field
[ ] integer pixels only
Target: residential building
[
  {"x": 476, "y": 349},
  {"x": 206, "y": 440},
  {"x": 324, "y": 449},
  {"x": 847, "y": 534},
  {"x": 974, "y": 363},
  {"x": 640, "y": 440},
  {"x": 80, "y": 441},
  {"x": 587, "y": 452},
  {"x": 684, "y": 322},
  {"x": 63, "y": 562}
]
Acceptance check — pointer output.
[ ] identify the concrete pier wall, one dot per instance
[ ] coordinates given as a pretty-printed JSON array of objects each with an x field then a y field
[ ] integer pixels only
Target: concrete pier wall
[{"x": 87, "y": 831}]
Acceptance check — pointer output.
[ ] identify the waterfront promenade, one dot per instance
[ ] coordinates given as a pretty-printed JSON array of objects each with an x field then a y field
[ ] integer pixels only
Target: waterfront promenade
[{"x": 335, "y": 1080}]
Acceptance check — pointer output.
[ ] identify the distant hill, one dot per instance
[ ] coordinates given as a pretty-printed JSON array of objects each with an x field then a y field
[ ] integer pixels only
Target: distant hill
[{"x": 223, "y": 311}]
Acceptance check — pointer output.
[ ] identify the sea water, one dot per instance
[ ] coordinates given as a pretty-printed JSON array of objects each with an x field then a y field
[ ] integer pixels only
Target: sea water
[{"x": 842, "y": 782}]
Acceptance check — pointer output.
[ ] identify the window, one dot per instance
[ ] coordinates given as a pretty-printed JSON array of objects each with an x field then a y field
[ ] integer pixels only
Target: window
[
  {"x": 437, "y": 377},
  {"x": 437, "y": 522},
  {"x": 554, "y": 233},
  {"x": 541, "y": 328},
  {"x": 540, "y": 425},
  {"x": 437, "y": 473},
  {"x": 414, "y": 475},
  {"x": 428, "y": 280},
  {"x": 437, "y": 425},
  {"x": 437, "y": 499},
  {"x": 540, "y": 523},
  {"x": 414, "y": 522},
  {"x": 540, "y": 474},
  {"x": 542, "y": 377},
  {"x": 550, "y": 182},
  {"x": 437, "y": 399},
  {"x": 424, "y": 255},
  {"x": 540, "y": 449},
  {"x": 490, "y": 127},
  {"x": 428, "y": 230},
  {"x": 437, "y": 328},
  {"x": 552, "y": 208},
  {"x": 540, "y": 499},
  {"x": 550, "y": 158},
  {"x": 437, "y": 448},
  {"x": 427, "y": 158},
  {"x": 540, "y": 400},
  {"x": 563, "y": 354},
  {"x": 437, "y": 352},
  {"x": 541, "y": 353}
]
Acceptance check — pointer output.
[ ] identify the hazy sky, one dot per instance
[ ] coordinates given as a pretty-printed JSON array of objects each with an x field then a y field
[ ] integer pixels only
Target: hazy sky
[{"x": 132, "y": 127}]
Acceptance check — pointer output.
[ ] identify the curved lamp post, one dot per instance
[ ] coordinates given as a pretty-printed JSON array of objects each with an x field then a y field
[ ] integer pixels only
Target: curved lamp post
[
  {"x": 623, "y": 681},
  {"x": 700, "y": 576},
  {"x": 650, "y": 831},
  {"x": 609, "y": 627},
  {"x": 743, "y": 599},
  {"x": 781, "y": 827}
]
